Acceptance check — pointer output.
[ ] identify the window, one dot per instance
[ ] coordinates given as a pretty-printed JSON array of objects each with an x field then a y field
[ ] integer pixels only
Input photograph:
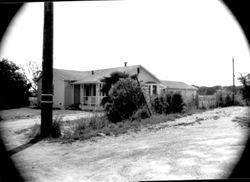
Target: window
[{"x": 154, "y": 89}]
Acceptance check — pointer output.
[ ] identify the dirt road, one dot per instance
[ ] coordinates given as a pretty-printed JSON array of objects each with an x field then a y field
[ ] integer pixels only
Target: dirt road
[
  {"x": 12, "y": 129},
  {"x": 201, "y": 146}
]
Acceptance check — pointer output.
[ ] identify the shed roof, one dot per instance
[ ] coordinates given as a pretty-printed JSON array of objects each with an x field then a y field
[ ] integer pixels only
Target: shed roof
[{"x": 177, "y": 85}]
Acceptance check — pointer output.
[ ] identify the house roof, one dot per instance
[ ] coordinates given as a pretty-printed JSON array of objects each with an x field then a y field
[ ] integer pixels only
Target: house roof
[
  {"x": 177, "y": 85},
  {"x": 69, "y": 74},
  {"x": 100, "y": 74},
  {"x": 94, "y": 76}
]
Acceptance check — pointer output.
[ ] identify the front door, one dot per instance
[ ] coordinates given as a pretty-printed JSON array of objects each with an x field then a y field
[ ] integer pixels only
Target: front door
[{"x": 76, "y": 94}]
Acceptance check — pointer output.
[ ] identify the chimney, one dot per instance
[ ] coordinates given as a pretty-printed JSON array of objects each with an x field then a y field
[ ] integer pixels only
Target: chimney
[
  {"x": 92, "y": 72},
  {"x": 125, "y": 64},
  {"x": 138, "y": 71}
]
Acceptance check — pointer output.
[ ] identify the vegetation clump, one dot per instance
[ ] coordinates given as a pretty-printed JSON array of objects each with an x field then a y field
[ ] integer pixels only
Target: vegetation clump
[
  {"x": 168, "y": 103},
  {"x": 15, "y": 88},
  {"x": 56, "y": 129}
]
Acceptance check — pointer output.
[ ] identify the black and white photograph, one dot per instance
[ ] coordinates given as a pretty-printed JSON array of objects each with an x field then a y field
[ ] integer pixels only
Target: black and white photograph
[{"x": 124, "y": 90}]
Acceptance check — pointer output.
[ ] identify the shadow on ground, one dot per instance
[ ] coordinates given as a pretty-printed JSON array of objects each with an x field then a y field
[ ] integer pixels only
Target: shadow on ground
[
  {"x": 24, "y": 146},
  {"x": 243, "y": 121}
]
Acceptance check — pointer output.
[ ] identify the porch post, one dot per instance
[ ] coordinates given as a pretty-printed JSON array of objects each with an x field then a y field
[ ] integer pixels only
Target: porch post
[
  {"x": 81, "y": 94},
  {"x": 97, "y": 95}
]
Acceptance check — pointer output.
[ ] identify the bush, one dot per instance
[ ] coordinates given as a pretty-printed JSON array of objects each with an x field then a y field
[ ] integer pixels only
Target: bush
[
  {"x": 245, "y": 90},
  {"x": 224, "y": 98},
  {"x": 158, "y": 104},
  {"x": 74, "y": 107},
  {"x": 125, "y": 99},
  {"x": 238, "y": 100},
  {"x": 85, "y": 128},
  {"x": 168, "y": 103},
  {"x": 97, "y": 122},
  {"x": 56, "y": 127},
  {"x": 141, "y": 113},
  {"x": 176, "y": 104}
]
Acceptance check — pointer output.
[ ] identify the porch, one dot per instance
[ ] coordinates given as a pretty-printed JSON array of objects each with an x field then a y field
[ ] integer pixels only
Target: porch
[{"x": 88, "y": 95}]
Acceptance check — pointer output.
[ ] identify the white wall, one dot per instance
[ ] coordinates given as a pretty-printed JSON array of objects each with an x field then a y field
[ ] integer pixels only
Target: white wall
[
  {"x": 145, "y": 76},
  {"x": 68, "y": 91},
  {"x": 58, "y": 92}
]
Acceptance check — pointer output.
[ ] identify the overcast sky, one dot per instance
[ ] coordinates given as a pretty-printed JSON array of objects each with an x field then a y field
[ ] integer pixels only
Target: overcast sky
[{"x": 192, "y": 41}]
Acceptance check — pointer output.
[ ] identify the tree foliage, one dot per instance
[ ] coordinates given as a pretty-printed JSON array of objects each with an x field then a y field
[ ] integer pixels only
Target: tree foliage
[
  {"x": 125, "y": 98},
  {"x": 168, "y": 103},
  {"x": 224, "y": 98},
  {"x": 31, "y": 71},
  {"x": 14, "y": 91},
  {"x": 246, "y": 87},
  {"x": 108, "y": 82}
]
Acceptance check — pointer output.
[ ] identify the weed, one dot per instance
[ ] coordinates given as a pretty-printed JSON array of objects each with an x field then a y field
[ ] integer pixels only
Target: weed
[{"x": 35, "y": 130}]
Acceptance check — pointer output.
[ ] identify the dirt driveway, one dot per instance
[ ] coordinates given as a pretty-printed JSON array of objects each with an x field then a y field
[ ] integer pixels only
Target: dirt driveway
[{"x": 201, "y": 146}]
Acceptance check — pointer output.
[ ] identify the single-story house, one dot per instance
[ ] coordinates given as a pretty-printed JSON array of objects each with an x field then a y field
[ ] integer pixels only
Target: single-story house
[
  {"x": 83, "y": 87},
  {"x": 188, "y": 92}
]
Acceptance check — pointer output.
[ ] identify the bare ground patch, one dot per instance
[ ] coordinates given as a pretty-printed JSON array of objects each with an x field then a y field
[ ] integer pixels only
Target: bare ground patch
[{"x": 209, "y": 148}]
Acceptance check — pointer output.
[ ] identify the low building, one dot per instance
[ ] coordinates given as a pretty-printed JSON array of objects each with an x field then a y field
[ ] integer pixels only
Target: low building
[
  {"x": 83, "y": 87},
  {"x": 189, "y": 93}
]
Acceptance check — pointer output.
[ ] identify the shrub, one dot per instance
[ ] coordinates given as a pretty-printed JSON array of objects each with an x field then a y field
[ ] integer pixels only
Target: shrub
[
  {"x": 125, "y": 99},
  {"x": 176, "y": 103},
  {"x": 158, "y": 104},
  {"x": 245, "y": 90},
  {"x": 238, "y": 100},
  {"x": 85, "y": 128},
  {"x": 56, "y": 127},
  {"x": 141, "y": 113},
  {"x": 74, "y": 107},
  {"x": 97, "y": 122},
  {"x": 168, "y": 103},
  {"x": 224, "y": 98}
]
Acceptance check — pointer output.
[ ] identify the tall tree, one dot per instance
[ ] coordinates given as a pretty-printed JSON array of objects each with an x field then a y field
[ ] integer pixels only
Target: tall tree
[
  {"x": 14, "y": 91},
  {"x": 31, "y": 70},
  {"x": 244, "y": 79}
]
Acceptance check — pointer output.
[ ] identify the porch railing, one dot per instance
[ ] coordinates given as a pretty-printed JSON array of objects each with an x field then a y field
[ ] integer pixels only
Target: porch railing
[{"x": 92, "y": 100}]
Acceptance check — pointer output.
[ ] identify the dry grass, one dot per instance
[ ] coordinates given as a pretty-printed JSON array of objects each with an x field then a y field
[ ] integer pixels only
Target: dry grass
[
  {"x": 99, "y": 126},
  {"x": 35, "y": 132}
]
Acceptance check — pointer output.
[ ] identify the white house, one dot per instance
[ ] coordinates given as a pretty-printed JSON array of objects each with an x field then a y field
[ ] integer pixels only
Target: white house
[{"x": 83, "y": 87}]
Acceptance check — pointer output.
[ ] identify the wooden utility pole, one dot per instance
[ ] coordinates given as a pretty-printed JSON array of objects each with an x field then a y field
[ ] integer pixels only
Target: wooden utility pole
[
  {"x": 233, "y": 81},
  {"x": 47, "y": 71}
]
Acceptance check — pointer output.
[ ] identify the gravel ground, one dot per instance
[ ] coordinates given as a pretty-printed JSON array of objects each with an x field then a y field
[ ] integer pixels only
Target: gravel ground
[
  {"x": 12, "y": 128},
  {"x": 202, "y": 146}
]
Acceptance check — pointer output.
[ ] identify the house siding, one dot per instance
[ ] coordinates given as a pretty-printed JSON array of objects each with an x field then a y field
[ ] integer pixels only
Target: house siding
[
  {"x": 58, "y": 92},
  {"x": 68, "y": 91},
  {"x": 148, "y": 80},
  {"x": 190, "y": 97},
  {"x": 145, "y": 77}
]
